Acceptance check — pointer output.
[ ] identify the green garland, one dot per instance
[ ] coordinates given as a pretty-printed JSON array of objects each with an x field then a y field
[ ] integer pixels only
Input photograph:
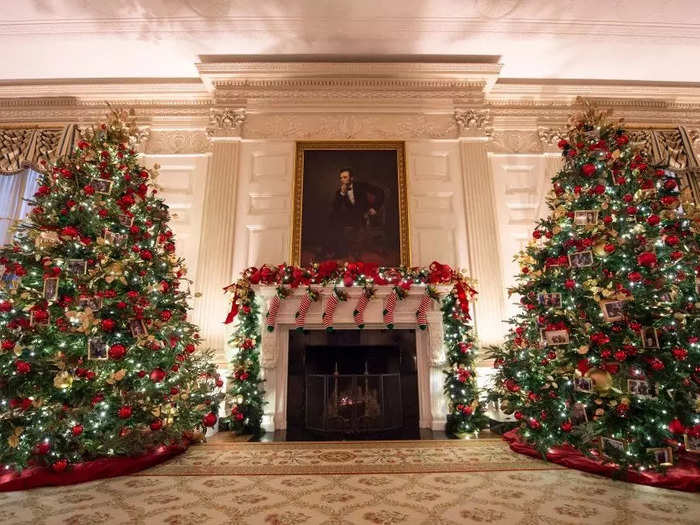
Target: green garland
[{"x": 245, "y": 394}]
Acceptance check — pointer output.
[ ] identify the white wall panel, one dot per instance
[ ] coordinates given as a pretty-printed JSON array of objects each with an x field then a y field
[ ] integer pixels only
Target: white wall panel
[
  {"x": 520, "y": 183},
  {"x": 436, "y": 203},
  {"x": 182, "y": 182},
  {"x": 263, "y": 210}
]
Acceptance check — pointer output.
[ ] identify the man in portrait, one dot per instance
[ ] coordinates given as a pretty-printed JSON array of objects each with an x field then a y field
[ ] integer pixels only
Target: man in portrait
[{"x": 356, "y": 209}]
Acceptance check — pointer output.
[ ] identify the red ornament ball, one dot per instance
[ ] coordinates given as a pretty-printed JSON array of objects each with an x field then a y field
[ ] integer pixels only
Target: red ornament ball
[
  {"x": 657, "y": 364},
  {"x": 157, "y": 375},
  {"x": 77, "y": 430},
  {"x": 512, "y": 386},
  {"x": 588, "y": 170},
  {"x": 209, "y": 420},
  {"x": 116, "y": 352},
  {"x": 156, "y": 424},
  {"x": 22, "y": 367},
  {"x": 124, "y": 412},
  {"x": 534, "y": 424},
  {"x": 635, "y": 277},
  {"x": 647, "y": 259}
]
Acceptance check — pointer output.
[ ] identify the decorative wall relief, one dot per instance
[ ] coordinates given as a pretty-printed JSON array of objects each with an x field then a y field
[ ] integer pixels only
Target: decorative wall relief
[{"x": 24, "y": 148}]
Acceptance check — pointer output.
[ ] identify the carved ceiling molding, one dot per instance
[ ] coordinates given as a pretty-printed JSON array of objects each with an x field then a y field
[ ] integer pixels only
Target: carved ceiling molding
[
  {"x": 51, "y": 112},
  {"x": 393, "y": 84},
  {"x": 225, "y": 122},
  {"x": 371, "y": 81},
  {"x": 221, "y": 71},
  {"x": 636, "y": 113},
  {"x": 177, "y": 142},
  {"x": 344, "y": 126},
  {"x": 48, "y": 111},
  {"x": 473, "y": 122},
  {"x": 407, "y": 100},
  {"x": 87, "y": 113},
  {"x": 515, "y": 142}
]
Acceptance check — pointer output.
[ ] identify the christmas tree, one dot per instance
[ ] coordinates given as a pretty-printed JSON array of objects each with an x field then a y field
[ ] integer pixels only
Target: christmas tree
[
  {"x": 97, "y": 358},
  {"x": 466, "y": 415},
  {"x": 604, "y": 354}
]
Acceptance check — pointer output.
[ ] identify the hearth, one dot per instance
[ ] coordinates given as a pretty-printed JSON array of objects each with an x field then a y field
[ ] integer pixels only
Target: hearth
[{"x": 352, "y": 384}]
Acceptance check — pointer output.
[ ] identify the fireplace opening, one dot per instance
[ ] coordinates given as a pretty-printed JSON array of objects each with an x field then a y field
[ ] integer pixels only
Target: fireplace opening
[{"x": 352, "y": 385}]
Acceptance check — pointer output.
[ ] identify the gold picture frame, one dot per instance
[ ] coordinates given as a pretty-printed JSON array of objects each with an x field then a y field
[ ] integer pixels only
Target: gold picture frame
[
  {"x": 663, "y": 456},
  {"x": 606, "y": 444},
  {"x": 50, "y": 290},
  {"x": 691, "y": 443},
  {"x": 298, "y": 255}
]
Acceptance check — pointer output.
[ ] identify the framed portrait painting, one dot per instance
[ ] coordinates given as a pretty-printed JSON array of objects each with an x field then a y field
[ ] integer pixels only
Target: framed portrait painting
[{"x": 350, "y": 203}]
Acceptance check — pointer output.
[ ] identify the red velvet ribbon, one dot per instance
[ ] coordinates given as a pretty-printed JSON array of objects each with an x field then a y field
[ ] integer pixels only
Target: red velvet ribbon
[{"x": 685, "y": 475}]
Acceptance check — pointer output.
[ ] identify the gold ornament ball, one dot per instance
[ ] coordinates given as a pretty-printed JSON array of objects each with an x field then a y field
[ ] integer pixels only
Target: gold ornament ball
[
  {"x": 599, "y": 250},
  {"x": 602, "y": 380},
  {"x": 63, "y": 380},
  {"x": 195, "y": 435}
]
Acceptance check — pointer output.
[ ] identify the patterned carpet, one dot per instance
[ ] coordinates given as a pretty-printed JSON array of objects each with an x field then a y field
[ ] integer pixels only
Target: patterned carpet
[
  {"x": 384, "y": 483},
  {"x": 359, "y": 457}
]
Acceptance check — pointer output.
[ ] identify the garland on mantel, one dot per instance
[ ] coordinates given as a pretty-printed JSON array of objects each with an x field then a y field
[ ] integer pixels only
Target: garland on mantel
[{"x": 465, "y": 415}]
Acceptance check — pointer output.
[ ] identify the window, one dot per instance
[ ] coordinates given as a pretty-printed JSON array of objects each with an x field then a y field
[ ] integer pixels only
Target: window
[{"x": 14, "y": 189}]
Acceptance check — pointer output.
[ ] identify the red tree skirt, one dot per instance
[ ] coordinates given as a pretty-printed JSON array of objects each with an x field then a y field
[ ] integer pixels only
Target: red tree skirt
[
  {"x": 685, "y": 475},
  {"x": 90, "y": 470}
]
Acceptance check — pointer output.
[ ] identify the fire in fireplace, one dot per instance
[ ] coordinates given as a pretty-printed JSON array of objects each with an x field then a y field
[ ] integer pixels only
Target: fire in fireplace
[
  {"x": 352, "y": 384},
  {"x": 353, "y": 403}
]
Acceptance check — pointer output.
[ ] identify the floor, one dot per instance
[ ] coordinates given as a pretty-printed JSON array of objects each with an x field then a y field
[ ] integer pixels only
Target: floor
[{"x": 400, "y": 482}]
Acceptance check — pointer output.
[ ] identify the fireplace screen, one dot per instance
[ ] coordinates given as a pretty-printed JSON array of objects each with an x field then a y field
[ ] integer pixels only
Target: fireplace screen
[{"x": 353, "y": 403}]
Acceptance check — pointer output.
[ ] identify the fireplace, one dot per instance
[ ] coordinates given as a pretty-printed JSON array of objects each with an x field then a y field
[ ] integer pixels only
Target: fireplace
[
  {"x": 420, "y": 360},
  {"x": 352, "y": 384}
]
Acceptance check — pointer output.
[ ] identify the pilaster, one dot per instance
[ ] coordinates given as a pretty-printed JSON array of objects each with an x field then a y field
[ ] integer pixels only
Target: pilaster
[
  {"x": 480, "y": 215},
  {"x": 214, "y": 269}
]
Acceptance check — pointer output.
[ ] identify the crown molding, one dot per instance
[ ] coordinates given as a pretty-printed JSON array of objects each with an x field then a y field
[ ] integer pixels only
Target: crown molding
[
  {"x": 399, "y": 76},
  {"x": 654, "y": 94},
  {"x": 100, "y": 89},
  {"x": 550, "y": 102},
  {"x": 266, "y": 87}
]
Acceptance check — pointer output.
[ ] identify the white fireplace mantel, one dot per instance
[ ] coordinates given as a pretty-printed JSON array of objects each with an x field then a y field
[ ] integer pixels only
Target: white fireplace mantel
[{"x": 430, "y": 350}]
